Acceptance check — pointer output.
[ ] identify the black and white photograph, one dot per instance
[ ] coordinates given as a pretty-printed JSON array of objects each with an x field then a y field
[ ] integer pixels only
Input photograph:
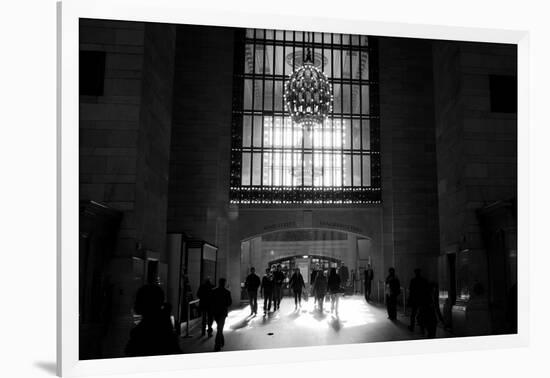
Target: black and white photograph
[{"x": 249, "y": 189}]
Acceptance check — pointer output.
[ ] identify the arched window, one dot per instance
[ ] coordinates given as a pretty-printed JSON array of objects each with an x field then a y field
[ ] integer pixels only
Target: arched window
[{"x": 274, "y": 160}]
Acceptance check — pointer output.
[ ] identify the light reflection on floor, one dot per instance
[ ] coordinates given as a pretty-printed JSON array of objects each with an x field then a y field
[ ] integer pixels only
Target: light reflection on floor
[{"x": 356, "y": 322}]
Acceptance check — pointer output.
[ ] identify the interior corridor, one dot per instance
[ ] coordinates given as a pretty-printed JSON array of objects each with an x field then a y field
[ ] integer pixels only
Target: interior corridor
[{"x": 357, "y": 322}]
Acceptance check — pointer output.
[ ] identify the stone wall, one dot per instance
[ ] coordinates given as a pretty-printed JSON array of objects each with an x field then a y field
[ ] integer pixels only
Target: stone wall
[
  {"x": 124, "y": 140},
  {"x": 477, "y": 160},
  {"x": 409, "y": 192}
]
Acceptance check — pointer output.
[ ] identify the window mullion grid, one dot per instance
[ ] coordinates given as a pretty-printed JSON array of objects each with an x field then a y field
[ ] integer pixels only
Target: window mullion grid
[
  {"x": 273, "y": 98},
  {"x": 304, "y": 192},
  {"x": 351, "y": 112},
  {"x": 323, "y": 124},
  {"x": 262, "y": 118},
  {"x": 342, "y": 108},
  {"x": 253, "y": 90}
]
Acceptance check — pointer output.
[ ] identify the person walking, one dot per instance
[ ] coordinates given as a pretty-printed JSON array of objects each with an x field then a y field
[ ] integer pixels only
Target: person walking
[
  {"x": 278, "y": 280},
  {"x": 418, "y": 295},
  {"x": 429, "y": 313},
  {"x": 344, "y": 276},
  {"x": 369, "y": 277},
  {"x": 314, "y": 271},
  {"x": 252, "y": 284},
  {"x": 221, "y": 301},
  {"x": 393, "y": 289},
  {"x": 334, "y": 289},
  {"x": 205, "y": 302},
  {"x": 266, "y": 290},
  {"x": 320, "y": 289},
  {"x": 297, "y": 284}
]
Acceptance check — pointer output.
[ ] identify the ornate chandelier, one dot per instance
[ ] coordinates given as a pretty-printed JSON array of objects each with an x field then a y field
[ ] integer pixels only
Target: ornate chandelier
[{"x": 308, "y": 94}]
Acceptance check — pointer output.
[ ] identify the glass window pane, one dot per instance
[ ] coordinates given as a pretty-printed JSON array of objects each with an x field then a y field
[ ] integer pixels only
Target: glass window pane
[
  {"x": 356, "y": 134},
  {"x": 279, "y": 34},
  {"x": 245, "y": 176},
  {"x": 366, "y": 134},
  {"x": 249, "y": 33},
  {"x": 327, "y": 63},
  {"x": 355, "y": 40},
  {"x": 336, "y": 64},
  {"x": 364, "y": 65},
  {"x": 277, "y": 167},
  {"x": 337, "y": 93},
  {"x": 364, "y": 40},
  {"x": 268, "y": 95},
  {"x": 336, "y": 38},
  {"x": 257, "y": 132},
  {"x": 269, "y": 34},
  {"x": 247, "y": 131},
  {"x": 289, "y": 35},
  {"x": 308, "y": 173},
  {"x": 365, "y": 99},
  {"x": 258, "y": 94},
  {"x": 256, "y": 168},
  {"x": 248, "y": 62},
  {"x": 260, "y": 33},
  {"x": 347, "y": 170},
  {"x": 337, "y": 175},
  {"x": 328, "y": 169},
  {"x": 278, "y": 96},
  {"x": 268, "y": 167},
  {"x": 356, "y": 100},
  {"x": 287, "y": 169},
  {"x": 355, "y": 67},
  {"x": 259, "y": 61},
  {"x": 356, "y": 170},
  {"x": 297, "y": 169},
  {"x": 346, "y": 94},
  {"x": 279, "y": 60},
  {"x": 247, "y": 103},
  {"x": 346, "y": 134},
  {"x": 308, "y": 137},
  {"x": 366, "y": 171},
  {"x": 268, "y": 132},
  {"x": 346, "y": 64}
]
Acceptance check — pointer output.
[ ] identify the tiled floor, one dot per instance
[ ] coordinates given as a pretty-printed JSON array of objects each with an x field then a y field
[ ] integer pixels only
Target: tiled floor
[{"x": 356, "y": 322}]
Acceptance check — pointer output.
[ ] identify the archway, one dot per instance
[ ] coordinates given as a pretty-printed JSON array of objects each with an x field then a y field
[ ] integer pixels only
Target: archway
[{"x": 305, "y": 248}]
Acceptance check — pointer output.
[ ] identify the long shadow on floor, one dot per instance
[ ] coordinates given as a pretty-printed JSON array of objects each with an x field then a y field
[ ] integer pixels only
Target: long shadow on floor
[
  {"x": 242, "y": 323},
  {"x": 335, "y": 323}
]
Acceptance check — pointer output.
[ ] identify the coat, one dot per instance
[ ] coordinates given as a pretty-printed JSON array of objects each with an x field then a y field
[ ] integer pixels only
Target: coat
[
  {"x": 221, "y": 300},
  {"x": 252, "y": 282},
  {"x": 333, "y": 284},
  {"x": 320, "y": 286},
  {"x": 297, "y": 282}
]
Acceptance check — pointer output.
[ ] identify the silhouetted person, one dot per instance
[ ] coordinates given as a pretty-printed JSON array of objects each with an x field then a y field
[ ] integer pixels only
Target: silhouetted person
[
  {"x": 154, "y": 335},
  {"x": 393, "y": 289},
  {"x": 418, "y": 295},
  {"x": 320, "y": 288},
  {"x": 312, "y": 277},
  {"x": 221, "y": 300},
  {"x": 278, "y": 280},
  {"x": 205, "y": 302},
  {"x": 369, "y": 276},
  {"x": 344, "y": 275},
  {"x": 334, "y": 286},
  {"x": 297, "y": 284},
  {"x": 429, "y": 313},
  {"x": 252, "y": 284},
  {"x": 266, "y": 290}
]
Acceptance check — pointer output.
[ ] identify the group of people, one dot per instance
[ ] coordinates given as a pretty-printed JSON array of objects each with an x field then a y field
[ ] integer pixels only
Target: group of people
[
  {"x": 271, "y": 287},
  {"x": 155, "y": 334},
  {"x": 423, "y": 301}
]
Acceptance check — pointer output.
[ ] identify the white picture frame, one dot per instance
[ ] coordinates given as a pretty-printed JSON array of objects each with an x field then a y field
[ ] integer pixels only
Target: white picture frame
[{"x": 173, "y": 11}]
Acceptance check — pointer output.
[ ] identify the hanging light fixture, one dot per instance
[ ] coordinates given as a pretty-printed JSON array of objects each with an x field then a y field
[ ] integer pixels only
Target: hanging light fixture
[{"x": 308, "y": 94}]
